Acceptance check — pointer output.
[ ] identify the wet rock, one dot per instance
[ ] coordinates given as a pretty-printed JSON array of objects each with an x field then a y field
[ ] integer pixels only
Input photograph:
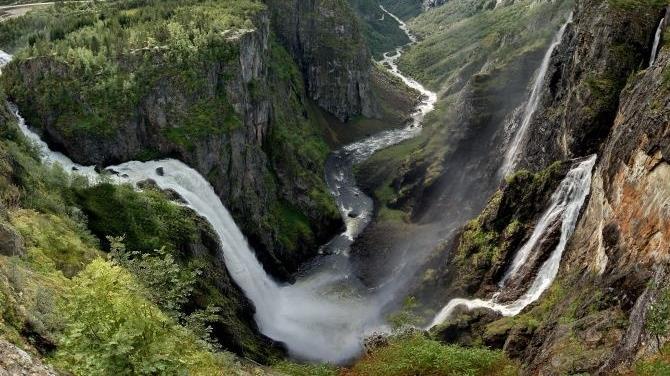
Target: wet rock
[
  {"x": 353, "y": 214},
  {"x": 467, "y": 327},
  {"x": 174, "y": 196},
  {"x": 375, "y": 341},
  {"x": 147, "y": 184},
  {"x": 160, "y": 171},
  {"x": 11, "y": 242}
]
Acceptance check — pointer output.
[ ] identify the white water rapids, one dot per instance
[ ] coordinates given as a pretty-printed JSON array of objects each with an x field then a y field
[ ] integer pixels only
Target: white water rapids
[
  {"x": 515, "y": 147},
  {"x": 566, "y": 204},
  {"x": 657, "y": 40},
  {"x": 327, "y": 313}
]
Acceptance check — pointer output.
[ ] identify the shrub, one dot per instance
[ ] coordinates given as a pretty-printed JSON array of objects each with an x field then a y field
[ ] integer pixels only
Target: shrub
[{"x": 112, "y": 329}]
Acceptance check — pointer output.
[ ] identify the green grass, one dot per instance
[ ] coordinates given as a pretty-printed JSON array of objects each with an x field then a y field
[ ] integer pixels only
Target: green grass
[{"x": 416, "y": 355}]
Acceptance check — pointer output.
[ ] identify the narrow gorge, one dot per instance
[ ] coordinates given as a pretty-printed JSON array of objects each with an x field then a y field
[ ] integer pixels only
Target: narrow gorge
[{"x": 359, "y": 187}]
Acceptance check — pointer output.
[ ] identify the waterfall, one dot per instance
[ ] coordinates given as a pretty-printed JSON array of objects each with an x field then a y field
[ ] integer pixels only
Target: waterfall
[
  {"x": 657, "y": 41},
  {"x": 566, "y": 204},
  {"x": 327, "y": 313},
  {"x": 514, "y": 147}
]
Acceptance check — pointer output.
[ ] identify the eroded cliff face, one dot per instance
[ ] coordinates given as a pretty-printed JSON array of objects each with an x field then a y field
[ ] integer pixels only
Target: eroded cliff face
[
  {"x": 620, "y": 248},
  {"x": 326, "y": 40},
  {"x": 604, "y": 44},
  {"x": 594, "y": 318}
]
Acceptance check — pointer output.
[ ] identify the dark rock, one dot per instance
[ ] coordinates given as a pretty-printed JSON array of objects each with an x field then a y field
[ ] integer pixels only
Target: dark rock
[
  {"x": 326, "y": 39},
  {"x": 11, "y": 242},
  {"x": 160, "y": 171},
  {"x": 147, "y": 184},
  {"x": 467, "y": 327},
  {"x": 174, "y": 196}
]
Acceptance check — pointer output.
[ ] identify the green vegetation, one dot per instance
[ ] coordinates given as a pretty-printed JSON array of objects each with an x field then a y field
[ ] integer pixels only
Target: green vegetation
[
  {"x": 381, "y": 31},
  {"x": 147, "y": 221},
  {"x": 658, "y": 317},
  {"x": 295, "y": 369},
  {"x": 462, "y": 35},
  {"x": 416, "y": 355},
  {"x": 110, "y": 328},
  {"x": 654, "y": 366},
  {"x": 98, "y": 61}
]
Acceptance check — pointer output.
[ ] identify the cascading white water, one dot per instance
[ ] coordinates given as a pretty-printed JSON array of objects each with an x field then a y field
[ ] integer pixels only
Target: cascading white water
[
  {"x": 566, "y": 203},
  {"x": 327, "y": 313},
  {"x": 657, "y": 41},
  {"x": 4, "y": 59},
  {"x": 514, "y": 147}
]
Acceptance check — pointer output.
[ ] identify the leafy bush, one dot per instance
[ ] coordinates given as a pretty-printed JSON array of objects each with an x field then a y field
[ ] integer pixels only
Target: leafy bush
[
  {"x": 658, "y": 316},
  {"x": 111, "y": 329}
]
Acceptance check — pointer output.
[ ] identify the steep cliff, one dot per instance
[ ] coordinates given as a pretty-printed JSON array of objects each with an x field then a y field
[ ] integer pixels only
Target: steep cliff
[
  {"x": 619, "y": 254},
  {"x": 222, "y": 97},
  {"x": 326, "y": 39},
  {"x": 603, "y": 312},
  {"x": 606, "y": 43}
]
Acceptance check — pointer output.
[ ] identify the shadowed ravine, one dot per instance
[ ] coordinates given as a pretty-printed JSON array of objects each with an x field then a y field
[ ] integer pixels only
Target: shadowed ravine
[{"x": 327, "y": 312}]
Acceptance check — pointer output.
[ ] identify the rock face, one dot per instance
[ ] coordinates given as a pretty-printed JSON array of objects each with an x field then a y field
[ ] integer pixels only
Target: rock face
[
  {"x": 599, "y": 51},
  {"x": 16, "y": 362},
  {"x": 621, "y": 243},
  {"x": 11, "y": 242},
  {"x": 427, "y": 4},
  {"x": 326, "y": 39},
  {"x": 593, "y": 319}
]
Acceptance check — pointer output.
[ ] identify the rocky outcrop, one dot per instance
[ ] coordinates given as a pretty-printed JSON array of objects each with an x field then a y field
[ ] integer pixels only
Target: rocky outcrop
[
  {"x": 16, "y": 362},
  {"x": 326, "y": 40},
  {"x": 11, "y": 242},
  {"x": 605, "y": 43},
  {"x": 621, "y": 243},
  {"x": 427, "y": 4}
]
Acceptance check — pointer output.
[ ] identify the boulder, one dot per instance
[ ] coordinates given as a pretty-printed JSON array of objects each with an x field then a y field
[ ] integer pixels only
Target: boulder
[{"x": 11, "y": 242}]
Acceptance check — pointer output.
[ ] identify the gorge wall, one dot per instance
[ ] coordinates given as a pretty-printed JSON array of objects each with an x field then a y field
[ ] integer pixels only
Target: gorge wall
[
  {"x": 600, "y": 97},
  {"x": 327, "y": 42}
]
